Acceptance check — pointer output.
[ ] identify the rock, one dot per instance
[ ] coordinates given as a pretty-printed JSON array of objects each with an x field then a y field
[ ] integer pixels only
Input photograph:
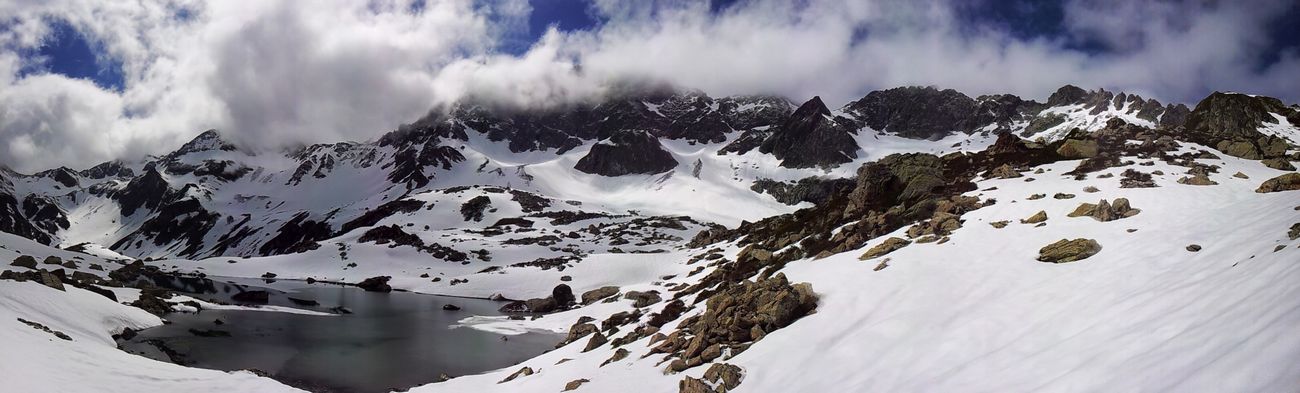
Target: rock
[
  {"x": 340, "y": 310},
  {"x": 733, "y": 315},
  {"x": 1294, "y": 233},
  {"x": 376, "y": 284},
  {"x": 268, "y": 275},
  {"x": 566, "y": 278},
  {"x": 563, "y": 295},
  {"x": 472, "y": 210},
  {"x": 642, "y": 299},
  {"x": 1193, "y": 247},
  {"x": 1090, "y": 189},
  {"x": 627, "y": 152},
  {"x": 727, "y": 375},
  {"x": 523, "y": 372},
  {"x": 149, "y": 301},
  {"x": 450, "y": 307},
  {"x": 85, "y": 278},
  {"x": 889, "y": 245},
  {"x": 26, "y": 261},
  {"x": 1240, "y": 175},
  {"x": 53, "y": 260},
  {"x": 1105, "y": 211},
  {"x": 1000, "y": 224},
  {"x": 1280, "y": 164},
  {"x": 1198, "y": 179},
  {"x": 1069, "y": 250},
  {"x": 1061, "y": 195},
  {"x": 303, "y": 302},
  {"x": 1004, "y": 172},
  {"x": 597, "y": 339},
  {"x": 592, "y": 296},
  {"x": 1136, "y": 179},
  {"x": 1041, "y": 216},
  {"x": 574, "y": 384},
  {"x": 619, "y": 354},
  {"x": 578, "y": 331},
  {"x": 259, "y": 297},
  {"x": 692, "y": 385},
  {"x": 1075, "y": 148},
  {"x": 51, "y": 280},
  {"x": 1036, "y": 197},
  {"x": 1287, "y": 182}
]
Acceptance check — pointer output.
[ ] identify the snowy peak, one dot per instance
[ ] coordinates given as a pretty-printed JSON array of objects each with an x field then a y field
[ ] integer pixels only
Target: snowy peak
[{"x": 209, "y": 140}]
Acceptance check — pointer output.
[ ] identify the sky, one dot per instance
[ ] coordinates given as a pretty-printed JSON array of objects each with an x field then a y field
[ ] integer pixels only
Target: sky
[{"x": 85, "y": 81}]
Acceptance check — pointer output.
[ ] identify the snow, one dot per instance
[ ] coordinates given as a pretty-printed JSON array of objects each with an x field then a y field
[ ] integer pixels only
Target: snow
[{"x": 979, "y": 314}]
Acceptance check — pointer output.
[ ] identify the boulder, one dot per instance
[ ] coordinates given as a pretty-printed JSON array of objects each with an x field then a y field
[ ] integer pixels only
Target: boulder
[
  {"x": 450, "y": 307},
  {"x": 1198, "y": 179},
  {"x": 563, "y": 295},
  {"x": 1004, "y": 172},
  {"x": 1076, "y": 148},
  {"x": 642, "y": 298},
  {"x": 1287, "y": 182},
  {"x": 889, "y": 245},
  {"x": 597, "y": 339},
  {"x": 26, "y": 261},
  {"x": 526, "y": 371},
  {"x": 574, "y": 384},
  {"x": 1039, "y": 217},
  {"x": 1280, "y": 164},
  {"x": 592, "y": 296},
  {"x": 376, "y": 284},
  {"x": 53, "y": 260},
  {"x": 1069, "y": 250},
  {"x": 1106, "y": 211},
  {"x": 1194, "y": 247}
]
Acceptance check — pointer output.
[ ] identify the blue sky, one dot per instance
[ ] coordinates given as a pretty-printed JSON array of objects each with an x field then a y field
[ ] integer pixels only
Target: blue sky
[{"x": 85, "y": 82}]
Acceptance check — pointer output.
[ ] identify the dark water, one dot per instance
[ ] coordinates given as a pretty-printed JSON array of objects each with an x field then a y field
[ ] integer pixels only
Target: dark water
[{"x": 391, "y": 341}]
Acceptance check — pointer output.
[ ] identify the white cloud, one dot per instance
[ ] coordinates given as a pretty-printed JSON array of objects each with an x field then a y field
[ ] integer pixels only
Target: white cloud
[{"x": 274, "y": 73}]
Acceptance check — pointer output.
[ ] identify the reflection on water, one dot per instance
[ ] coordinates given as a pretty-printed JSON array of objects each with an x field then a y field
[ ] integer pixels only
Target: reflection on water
[{"x": 391, "y": 340}]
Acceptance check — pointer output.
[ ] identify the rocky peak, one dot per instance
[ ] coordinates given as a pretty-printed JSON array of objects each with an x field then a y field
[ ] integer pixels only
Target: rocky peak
[
  {"x": 811, "y": 137},
  {"x": 62, "y": 175},
  {"x": 917, "y": 112},
  {"x": 206, "y": 141},
  {"x": 627, "y": 152},
  {"x": 107, "y": 169}
]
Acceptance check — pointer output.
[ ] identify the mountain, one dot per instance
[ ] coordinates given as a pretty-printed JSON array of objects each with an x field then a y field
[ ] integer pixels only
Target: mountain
[{"x": 914, "y": 239}]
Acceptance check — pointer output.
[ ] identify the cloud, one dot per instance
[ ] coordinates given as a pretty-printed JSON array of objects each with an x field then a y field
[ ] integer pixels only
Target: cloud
[{"x": 277, "y": 73}]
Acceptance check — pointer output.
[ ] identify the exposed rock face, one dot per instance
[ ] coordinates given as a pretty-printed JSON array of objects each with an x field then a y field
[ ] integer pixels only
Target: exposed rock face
[
  {"x": 627, "y": 152},
  {"x": 809, "y": 189},
  {"x": 472, "y": 210},
  {"x": 889, "y": 245},
  {"x": 1069, "y": 250},
  {"x": 145, "y": 191},
  {"x": 929, "y": 113},
  {"x": 811, "y": 138},
  {"x": 737, "y": 315},
  {"x": 1287, "y": 182},
  {"x": 1106, "y": 211},
  {"x": 1229, "y": 122}
]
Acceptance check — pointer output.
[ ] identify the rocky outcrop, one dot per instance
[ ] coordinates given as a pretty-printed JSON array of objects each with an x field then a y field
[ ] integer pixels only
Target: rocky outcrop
[
  {"x": 1039, "y": 217},
  {"x": 472, "y": 210},
  {"x": 376, "y": 284},
  {"x": 929, "y": 113},
  {"x": 809, "y": 189},
  {"x": 627, "y": 152},
  {"x": 1287, "y": 182},
  {"x": 1230, "y": 123},
  {"x": 811, "y": 137},
  {"x": 1064, "y": 251},
  {"x": 1106, "y": 211},
  {"x": 735, "y": 317},
  {"x": 889, "y": 245},
  {"x": 719, "y": 378}
]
